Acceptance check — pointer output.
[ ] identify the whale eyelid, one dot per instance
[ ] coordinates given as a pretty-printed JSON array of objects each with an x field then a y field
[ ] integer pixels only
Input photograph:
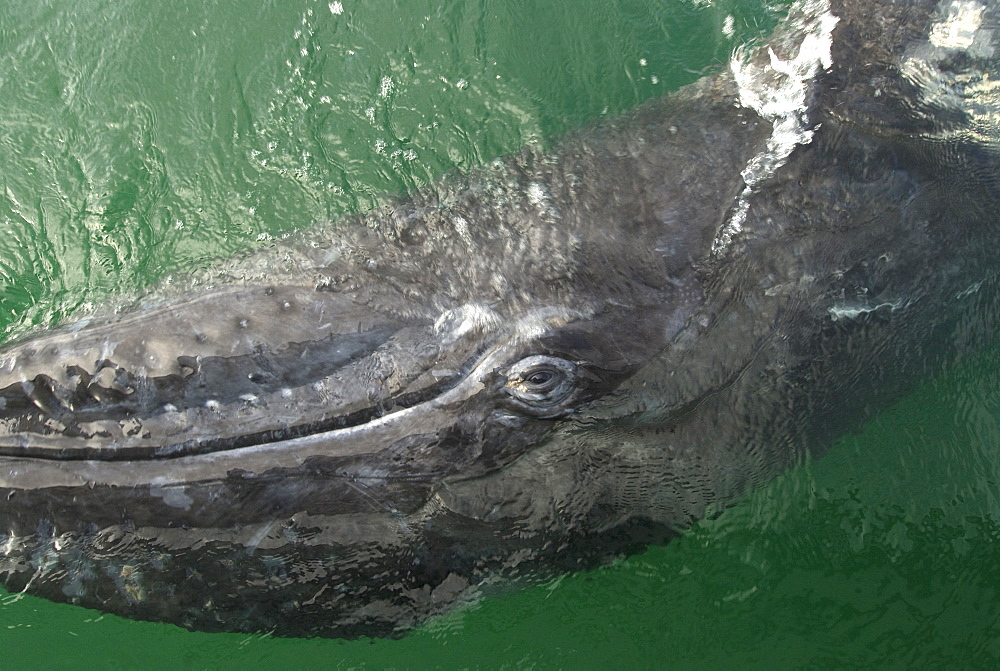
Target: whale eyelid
[{"x": 550, "y": 396}]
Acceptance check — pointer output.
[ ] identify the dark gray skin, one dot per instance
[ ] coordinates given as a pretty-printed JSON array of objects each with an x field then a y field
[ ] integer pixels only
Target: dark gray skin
[{"x": 525, "y": 370}]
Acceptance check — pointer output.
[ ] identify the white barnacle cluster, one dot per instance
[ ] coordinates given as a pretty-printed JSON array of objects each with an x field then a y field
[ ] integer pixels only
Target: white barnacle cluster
[{"x": 777, "y": 87}]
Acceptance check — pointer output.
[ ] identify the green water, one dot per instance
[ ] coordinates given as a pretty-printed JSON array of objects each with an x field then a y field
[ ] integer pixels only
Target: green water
[{"x": 140, "y": 140}]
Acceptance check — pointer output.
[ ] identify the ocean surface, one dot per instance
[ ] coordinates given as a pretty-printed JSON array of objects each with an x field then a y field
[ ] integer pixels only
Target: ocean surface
[{"x": 142, "y": 140}]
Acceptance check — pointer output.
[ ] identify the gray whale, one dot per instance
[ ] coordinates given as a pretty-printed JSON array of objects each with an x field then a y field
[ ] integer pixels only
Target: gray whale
[{"x": 532, "y": 368}]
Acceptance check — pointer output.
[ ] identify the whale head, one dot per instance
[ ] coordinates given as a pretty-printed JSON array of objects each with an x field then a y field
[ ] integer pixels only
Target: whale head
[{"x": 529, "y": 368}]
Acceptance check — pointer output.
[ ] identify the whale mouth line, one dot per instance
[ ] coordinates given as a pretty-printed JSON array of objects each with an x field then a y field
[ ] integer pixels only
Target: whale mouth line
[{"x": 37, "y": 446}]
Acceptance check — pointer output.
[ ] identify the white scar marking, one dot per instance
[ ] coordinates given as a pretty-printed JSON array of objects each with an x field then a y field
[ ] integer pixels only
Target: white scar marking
[
  {"x": 455, "y": 323},
  {"x": 778, "y": 91},
  {"x": 462, "y": 228},
  {"x": 853, "y": 311},
  {"x": 540, "y": 199},
  {"x": 958, "y": 29},
  {"x": 966, "y": 85}
]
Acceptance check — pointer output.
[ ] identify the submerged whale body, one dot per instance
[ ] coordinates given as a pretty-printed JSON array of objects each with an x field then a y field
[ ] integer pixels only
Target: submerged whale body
[{"x": 532, "y": 368}]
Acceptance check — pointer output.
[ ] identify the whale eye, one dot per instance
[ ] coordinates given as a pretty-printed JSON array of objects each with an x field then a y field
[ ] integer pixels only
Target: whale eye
[
  {"x": 541, "y": 377},
  {"x": 542, "y": 385}
]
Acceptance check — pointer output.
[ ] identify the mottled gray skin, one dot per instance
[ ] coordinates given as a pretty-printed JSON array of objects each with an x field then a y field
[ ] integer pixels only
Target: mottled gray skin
[{"x": 524, "y": 370}]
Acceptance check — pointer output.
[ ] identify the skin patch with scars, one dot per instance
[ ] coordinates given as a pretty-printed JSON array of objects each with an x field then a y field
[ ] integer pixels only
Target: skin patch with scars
[
  {"x": 959, "y": 28},
  {"x": 777, "y": 85},
  {"x": 954, "y": 71}
]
